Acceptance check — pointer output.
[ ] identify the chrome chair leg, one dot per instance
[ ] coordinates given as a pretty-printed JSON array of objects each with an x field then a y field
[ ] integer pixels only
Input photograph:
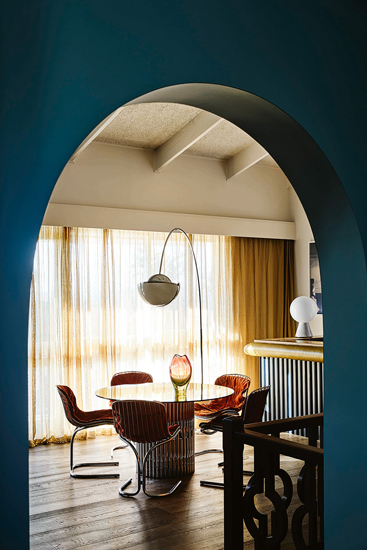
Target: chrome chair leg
[
  {"x": 198, "y": 453},
  {"x": 117, "y": 448},
  {"x": 245, "y": 472},
  {"x": 141, "y": 470},
  {"x": 88, "y": 464},
  {"x": 144, "y": 469},
  {"x": 212, "y": 484},
  {"x": 126, "y": 484},
  {"x": 220, "y": 485},
  {"x": 215, "y": 485},
  {"x": 122, "y": 491}
]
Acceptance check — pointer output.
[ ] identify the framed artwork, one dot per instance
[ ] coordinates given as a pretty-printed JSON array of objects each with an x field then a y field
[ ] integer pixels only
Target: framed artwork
[{"x": 315, "y": 279}]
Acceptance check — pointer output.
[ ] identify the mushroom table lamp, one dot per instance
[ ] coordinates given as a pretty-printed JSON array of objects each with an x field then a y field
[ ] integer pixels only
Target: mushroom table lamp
[{"x": 303, "y": 309}]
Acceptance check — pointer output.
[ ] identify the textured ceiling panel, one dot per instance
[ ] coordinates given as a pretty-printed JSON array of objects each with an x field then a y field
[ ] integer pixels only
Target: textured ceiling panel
[
  {"x": 223, "y": 142},
  {"x": 147, "y": 125}
]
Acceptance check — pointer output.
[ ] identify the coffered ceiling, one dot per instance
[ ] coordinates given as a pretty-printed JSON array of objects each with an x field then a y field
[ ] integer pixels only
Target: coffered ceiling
[{"x": 171, "y": 129}]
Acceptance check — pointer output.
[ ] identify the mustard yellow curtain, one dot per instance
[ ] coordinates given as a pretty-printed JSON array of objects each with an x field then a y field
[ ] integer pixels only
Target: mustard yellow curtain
[
  {"x": 262, "y": 289},
  {"x": 67, "y": 343},
  {"x": 88, "y": 322}
]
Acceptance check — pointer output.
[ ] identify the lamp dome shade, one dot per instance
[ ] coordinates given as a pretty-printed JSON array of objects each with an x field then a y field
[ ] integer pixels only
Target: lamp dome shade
[
  {"x": 303, "y": 309},
  {"x": 158, "y": 290}
]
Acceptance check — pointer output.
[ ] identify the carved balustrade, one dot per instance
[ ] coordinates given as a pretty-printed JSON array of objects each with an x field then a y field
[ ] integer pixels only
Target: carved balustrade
[{"x": 240, "y": 502}]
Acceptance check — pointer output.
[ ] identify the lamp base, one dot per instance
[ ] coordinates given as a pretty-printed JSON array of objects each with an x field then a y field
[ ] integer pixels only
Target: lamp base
[{"x": 304, "y": 331}]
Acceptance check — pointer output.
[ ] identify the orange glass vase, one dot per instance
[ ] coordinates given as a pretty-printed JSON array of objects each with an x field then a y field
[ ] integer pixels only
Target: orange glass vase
[{"x": 180, "y": 371}]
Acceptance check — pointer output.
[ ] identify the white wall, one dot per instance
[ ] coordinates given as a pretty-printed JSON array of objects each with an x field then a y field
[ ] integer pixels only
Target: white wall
[
  {"x": 304, "y": 236},
  {"x": 112, "y": 186},
  {"x": 115, "y": 187}
]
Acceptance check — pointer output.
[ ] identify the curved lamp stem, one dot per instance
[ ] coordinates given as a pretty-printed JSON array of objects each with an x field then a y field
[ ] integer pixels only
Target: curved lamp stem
[{"x": 178, "y": 230}]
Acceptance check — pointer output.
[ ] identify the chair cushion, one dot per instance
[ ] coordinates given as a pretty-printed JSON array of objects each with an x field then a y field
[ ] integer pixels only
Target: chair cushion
[
  {"x": 206, "y": 412},
  {"x": 92, "y": 416},
  {"x": 216, "y": 423},
  {"x": 76, "y": 416},
  {"x": 232, "y": 403}
]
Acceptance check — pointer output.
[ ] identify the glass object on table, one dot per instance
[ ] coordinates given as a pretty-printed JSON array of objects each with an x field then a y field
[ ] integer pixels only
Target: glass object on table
[{"x": 180, "y": 371}]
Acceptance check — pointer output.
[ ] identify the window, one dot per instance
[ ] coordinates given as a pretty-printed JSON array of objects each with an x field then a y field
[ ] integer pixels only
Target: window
[{"x": 87, "y": 320}]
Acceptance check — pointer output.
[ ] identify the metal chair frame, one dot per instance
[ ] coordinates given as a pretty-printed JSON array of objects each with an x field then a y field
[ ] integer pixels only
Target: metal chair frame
[
  {"x": 84, "y": 426},
  {"x": 141, "y": 465},
  {"x": 118, "y": 447},
  {"x": 219, "y": 485},
  {"x": 89, "y": 464},
  {"x": 141, "y": 469},
  {"x": 209, "y": 431}
]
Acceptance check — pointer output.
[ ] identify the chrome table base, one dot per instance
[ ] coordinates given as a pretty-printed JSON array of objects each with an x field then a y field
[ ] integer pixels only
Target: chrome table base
[{"x": 177, "y": 458}]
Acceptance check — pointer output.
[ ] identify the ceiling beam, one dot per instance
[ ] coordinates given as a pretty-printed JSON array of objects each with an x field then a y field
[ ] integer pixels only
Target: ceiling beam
[
  {"x": 186, "y": 137},
  {"x": 244, "y": 159},
  {"x": 92, "y": 136}
]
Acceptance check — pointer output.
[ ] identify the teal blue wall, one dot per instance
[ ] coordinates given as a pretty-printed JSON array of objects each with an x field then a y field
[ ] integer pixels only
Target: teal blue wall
[{"x": 66, "y": 65}]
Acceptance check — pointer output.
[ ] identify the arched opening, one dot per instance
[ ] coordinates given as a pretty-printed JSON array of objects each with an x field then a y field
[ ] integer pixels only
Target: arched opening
[{"x": 311, "y": 174}]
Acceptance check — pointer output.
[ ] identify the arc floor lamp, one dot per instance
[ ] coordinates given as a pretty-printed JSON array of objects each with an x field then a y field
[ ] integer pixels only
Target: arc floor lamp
[{"x": 160, "y": 291}]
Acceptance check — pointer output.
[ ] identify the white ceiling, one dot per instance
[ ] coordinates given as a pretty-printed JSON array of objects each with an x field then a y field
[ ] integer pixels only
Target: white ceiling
[
  {"x": 172, "y": 129},
  {"x": 147, "y": 125}
]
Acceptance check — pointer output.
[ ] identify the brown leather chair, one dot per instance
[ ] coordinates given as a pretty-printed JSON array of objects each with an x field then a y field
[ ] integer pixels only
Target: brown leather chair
[
  {"x": 83, "y": 420},
  {"x": 129, "y": 377},
  {"x": 232, "y": 404},
  {"x": 143, "y": 422},
  {"x": 252, "y": 412}
]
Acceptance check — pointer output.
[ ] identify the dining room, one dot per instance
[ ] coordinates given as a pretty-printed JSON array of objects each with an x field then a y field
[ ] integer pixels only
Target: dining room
[
  {"x": 243, "y": 254},
  {"x": 293, "y": 76}
]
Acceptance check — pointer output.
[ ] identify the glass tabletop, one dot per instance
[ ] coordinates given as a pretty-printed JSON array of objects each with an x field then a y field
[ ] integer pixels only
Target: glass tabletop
[{"x": 163, "y": 392}]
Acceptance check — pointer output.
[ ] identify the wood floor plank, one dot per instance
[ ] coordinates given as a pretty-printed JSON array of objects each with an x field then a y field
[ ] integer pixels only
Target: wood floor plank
[{"x": 73, "y": 514}]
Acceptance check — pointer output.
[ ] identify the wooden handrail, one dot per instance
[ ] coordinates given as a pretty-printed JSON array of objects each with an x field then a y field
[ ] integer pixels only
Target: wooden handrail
[
  {"x": 287, "y": 424},
  {"x": 281, "y": 446}
]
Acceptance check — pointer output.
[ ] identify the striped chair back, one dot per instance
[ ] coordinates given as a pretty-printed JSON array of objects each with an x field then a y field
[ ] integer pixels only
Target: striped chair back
[
  {"x": 141, "y": 421},
  {"x": 254, "y": 406},
  {"x": 69, "y": 403},
  {"x": 131, "y": 377}
]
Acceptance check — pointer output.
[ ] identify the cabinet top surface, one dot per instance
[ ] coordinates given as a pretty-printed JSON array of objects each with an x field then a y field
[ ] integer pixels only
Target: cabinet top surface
[{"x": 316, "y": 341}]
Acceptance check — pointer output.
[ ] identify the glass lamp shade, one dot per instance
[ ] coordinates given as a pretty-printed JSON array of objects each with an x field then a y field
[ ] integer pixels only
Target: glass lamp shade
[
  {"x": 158, "y": 290},
  {"x": 303, "y": 309},
  {"x": 180, "y": 371}
]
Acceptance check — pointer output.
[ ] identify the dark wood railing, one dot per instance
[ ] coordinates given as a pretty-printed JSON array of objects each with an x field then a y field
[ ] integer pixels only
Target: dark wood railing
[{"x": 239, "y": 505}]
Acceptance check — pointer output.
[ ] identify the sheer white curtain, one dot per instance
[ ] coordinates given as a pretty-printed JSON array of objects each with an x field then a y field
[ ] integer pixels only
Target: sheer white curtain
[{"x": 87, "y": 320}]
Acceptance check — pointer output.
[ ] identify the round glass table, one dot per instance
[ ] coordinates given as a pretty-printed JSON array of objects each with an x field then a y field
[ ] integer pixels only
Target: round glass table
[{"x": 176, "y": 458}]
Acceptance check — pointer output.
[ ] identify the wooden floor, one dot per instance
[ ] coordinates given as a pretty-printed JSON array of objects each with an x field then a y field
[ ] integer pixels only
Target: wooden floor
[{"x": 70, "y": 514}]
